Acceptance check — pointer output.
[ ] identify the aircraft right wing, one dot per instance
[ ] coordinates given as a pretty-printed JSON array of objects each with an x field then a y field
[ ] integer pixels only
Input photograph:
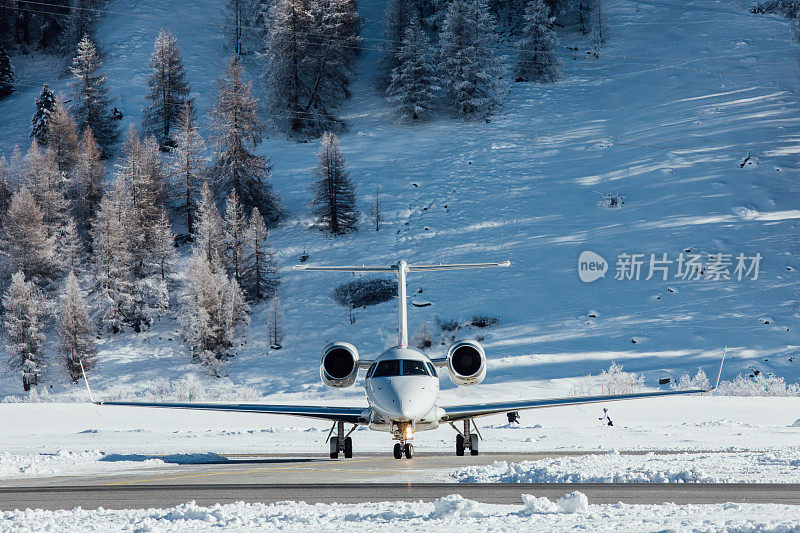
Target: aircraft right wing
[{"x": 460, "y": 412}]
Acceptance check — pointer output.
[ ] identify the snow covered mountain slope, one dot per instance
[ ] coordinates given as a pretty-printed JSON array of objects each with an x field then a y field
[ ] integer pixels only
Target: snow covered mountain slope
[{"x": 682, "y": 93}]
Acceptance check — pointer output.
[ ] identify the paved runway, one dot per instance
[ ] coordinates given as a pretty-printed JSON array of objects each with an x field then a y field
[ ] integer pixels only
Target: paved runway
[{"x": 369, "y": 478}]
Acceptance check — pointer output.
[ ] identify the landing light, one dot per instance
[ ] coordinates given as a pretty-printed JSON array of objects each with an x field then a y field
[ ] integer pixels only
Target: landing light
[{"x": 409, "y": 430}]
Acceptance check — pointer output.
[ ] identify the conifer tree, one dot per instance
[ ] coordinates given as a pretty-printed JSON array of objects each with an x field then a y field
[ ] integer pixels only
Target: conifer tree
[
  {"x": 62, "y": 138},
  {"x": 397, "y": 19},
  {"x": 71, "y": 250},
  {"x": 413, "y": 86},
  {"x": 168, "y": 89},
  {"x": 537, "y": 59},
  {"x": 187, "y": 166},
  {"x": 75, "y": 330},
  {"x": 6, "y": 74},
  {"x": 275, "y": 323},
  {"x": 334, "y": 194},
  {"x": 87, "y": 187},
  {"x": 164, "y": 252},
  {"x": 469, "y": 69},
  {"x": 47, "y": 185},
  {"x": 213, "y": 314},
  {"x": 111, "y": 259},
  {"x": 5, "y": 188},
  {"x": 237, "y": 129},
  {"x": 25, "y": 310},
  {"x": 45, "y": 105},
  {"x": 25, "y": 241},
  {"x": 90, "y": 100},
  {"x": 16, "y": 169},
  {"x": 210, "y": 232},
  {"x": 260, "y": 277},
  {"x": 235, "y": 236}
]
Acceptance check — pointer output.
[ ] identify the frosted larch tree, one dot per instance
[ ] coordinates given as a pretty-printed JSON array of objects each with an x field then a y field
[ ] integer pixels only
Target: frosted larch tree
[
  {"x": 76, "y": 337},
  {"x": 167, "y": 89},
  {"x": 25, "y": 310},
  {"x": 187, "y": 167},
  {"x": 260, "y": 277},
  {"x": 25, "y": 242},
  {"x": 334, "y": 199}
]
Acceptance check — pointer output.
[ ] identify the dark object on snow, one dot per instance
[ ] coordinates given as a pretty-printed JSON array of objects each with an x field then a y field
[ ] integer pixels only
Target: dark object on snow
[
  {"x": 745, "y": 160},
  {"x": 481, "y": 321},
  {"x": 664, "y": 381},
  {"x": 116, "y": 114},
  {"x": 364, "y": 292},
  {"x": 513, "y": 417},
  {"x": 303, "y": 257}
]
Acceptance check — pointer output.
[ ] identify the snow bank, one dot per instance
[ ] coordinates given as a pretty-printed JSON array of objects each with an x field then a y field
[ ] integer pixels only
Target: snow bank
[
  {"x": 61, "y": 463},
  {"x": 445, "y": 514},
  {"x": 778, "y": 466}
]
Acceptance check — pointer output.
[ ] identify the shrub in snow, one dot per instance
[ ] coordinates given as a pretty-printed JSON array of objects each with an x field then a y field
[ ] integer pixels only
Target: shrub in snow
[
  {"x": 576, "y": 502},
  {"x": 616, "y": 381},
  {"x": 447, "y": 324},
  {"x": 189, "y": 389},
  {"x": 423, "y": 338},
  {"x": 612, "y": 200},
  {"x": 758, "y": 385},
  {"x": 685, "y": 382},
  {"x": 481, "y": 321},
  {"x": 364, "y": 292},
  {"x": 581, "y": 387}
]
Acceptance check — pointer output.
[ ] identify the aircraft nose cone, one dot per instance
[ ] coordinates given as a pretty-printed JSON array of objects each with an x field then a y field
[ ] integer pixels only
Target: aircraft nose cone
[{"x": 413, "y": 409}]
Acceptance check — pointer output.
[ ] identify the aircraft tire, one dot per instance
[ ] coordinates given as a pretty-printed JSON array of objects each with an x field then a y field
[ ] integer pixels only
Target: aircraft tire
[
  {"x": 408, "y": 449},
  {"x": 348, "y": 448},
  {"x": 334, "y": 447},
  {"x": 473, "y": 444},
  {"x": 459, "y": 445},
  {"x": 398, "y": 451}
]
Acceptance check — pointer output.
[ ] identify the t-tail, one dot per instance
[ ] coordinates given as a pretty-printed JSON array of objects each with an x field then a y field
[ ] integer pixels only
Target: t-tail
[{"x": 402, "y": 268}]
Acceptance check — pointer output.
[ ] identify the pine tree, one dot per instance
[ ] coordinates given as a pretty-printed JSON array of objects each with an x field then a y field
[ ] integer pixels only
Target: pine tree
[
  {"x": 87, "y": 188},
  {"x": 164, "y": 252},
  {"x": 25, "y": 241},
  {"x": 75, "y": 330},
  {"x": 376, "y": 211},
  {"x": 82, "y": 20},
  {"x": 334, "y": 194},
  {"x": 237, "y": 129},
  {"x": 469, "y": 69},
  {"x": 5, "y": 188},
  {"x": 236, "y": 15},
  {"x": 111, "y": 259},
  {"x": 168, "y": 89},
  {"x": 311, "y": 47},
  {"x": 45, "y": 105},
  {"x": 260, "y": 277},
  {"x": 25, "y": 310},
  {"x": 62, "y": 138},
  {"x": 91, "y": 99},
  {"x": 71, "y": 251},
  {"x": 213, "y": 314},
  {"x": 47, "y": 185},
  {"x": 187, "y": 166},
  {"x": 275, "y": 324},
  {"x": 413, "y": 86},
  {"x": 397, "y": 18},
  {"x": 210, "y": 232},
  {"x": 235, "y": 236},
  {"x": 6, "y": 74},
  {"x": 537, "y": 59}
]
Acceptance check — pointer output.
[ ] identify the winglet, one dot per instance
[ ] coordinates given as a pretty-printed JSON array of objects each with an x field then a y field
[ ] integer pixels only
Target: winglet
[
  {"x": 86, "y": 381},
  {"x": 719, "y": 374}
]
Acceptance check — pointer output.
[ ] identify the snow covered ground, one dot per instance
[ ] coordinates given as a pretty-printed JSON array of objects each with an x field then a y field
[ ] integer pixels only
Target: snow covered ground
[{"x": 572, "y": 511}]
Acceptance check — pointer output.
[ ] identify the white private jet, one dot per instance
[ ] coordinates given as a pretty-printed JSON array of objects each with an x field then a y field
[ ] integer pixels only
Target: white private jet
[{"x": 402, "y": 384}]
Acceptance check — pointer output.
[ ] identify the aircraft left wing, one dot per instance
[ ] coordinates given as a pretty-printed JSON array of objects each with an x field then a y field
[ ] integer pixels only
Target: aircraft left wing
[
  {"x": 351, "y": 415},
  {"x": 460, "y": 412}
]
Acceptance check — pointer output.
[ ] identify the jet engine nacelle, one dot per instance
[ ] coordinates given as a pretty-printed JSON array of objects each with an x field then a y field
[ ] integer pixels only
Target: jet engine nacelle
[
  {"x": 338, "y": 366},
  {"x": 466, "y": 362}
]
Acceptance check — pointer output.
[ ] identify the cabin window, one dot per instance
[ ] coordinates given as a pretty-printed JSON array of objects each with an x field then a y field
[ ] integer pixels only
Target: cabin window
[
  {"x": 414, "y": 368},
  {"x": 371, "y": 370},
  {"x": 433, "y": 370}
]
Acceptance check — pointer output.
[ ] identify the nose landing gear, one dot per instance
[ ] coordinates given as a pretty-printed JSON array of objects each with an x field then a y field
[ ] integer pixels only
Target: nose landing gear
[
  {"x": 406, "y": 449},
  {"x": 403, "y": 433}
]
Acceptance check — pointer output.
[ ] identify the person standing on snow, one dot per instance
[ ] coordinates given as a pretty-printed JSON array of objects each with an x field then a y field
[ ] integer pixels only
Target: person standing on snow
[{"x": 605, "y": 417}]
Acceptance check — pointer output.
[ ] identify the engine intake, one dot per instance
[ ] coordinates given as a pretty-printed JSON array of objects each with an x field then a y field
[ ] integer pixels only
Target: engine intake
[
  {"x": 466, "y": 362},
  {"x": 338, "y": 366}
]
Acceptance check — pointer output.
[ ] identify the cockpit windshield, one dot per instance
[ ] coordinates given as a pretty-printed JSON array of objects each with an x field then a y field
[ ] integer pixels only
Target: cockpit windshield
[{"x": 394, "y": 367}]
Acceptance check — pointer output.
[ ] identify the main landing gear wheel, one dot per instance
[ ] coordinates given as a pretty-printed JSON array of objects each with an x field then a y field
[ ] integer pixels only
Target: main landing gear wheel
[
  {"x": 473, "y": 444},
  {"x": 459, "y": 445},
  {"x": 335, "y": 447},
  {"x": 348, "y": 448},
  {"x": 398, "y": 451},
  {"x": 408, "y": 449}
]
